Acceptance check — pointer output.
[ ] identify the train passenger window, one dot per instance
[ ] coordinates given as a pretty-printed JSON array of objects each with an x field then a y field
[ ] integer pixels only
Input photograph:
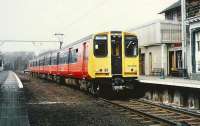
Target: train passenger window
[
  {"x": 43, "y": 61},
  {"x": 131, "y": 46},
  {"x": 72, "y": 56},
  {"x": 100, "y": 46},
  {"x": 63, "y": 58},
  {"x": 50, "y": 60},
  {"x": 75, "y": 55},
  {"x": 60, "y": 59},
  {"x": 54, "y": 60},
  {"x": 57, "y": 58},
  {"x": 66, "y": 58}
]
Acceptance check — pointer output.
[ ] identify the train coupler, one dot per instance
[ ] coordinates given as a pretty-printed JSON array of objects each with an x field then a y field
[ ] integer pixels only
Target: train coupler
[{"x": 120, "y": 84}]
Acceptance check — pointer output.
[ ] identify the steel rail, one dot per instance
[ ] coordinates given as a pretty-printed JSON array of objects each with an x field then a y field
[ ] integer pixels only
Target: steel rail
[
  {"x": 159, "y": 119},
  {"x": 171, "y": 108}
]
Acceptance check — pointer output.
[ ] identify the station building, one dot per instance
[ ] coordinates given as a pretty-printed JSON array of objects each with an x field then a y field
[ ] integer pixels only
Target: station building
[
  {"x": 160, "y": 43},
  {"x": 192, "y": 16}
]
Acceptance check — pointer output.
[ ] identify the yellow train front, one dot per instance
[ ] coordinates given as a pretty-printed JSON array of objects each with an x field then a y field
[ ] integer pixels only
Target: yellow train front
[{"x": 114, "y": 61}]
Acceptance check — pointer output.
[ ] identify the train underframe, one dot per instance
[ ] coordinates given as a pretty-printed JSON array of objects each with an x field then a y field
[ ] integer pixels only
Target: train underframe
[{"x": 98, "y": 86}]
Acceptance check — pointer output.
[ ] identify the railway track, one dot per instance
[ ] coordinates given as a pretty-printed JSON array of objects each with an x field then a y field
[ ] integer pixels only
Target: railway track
[
  {"x": 151, "y": 114},
  {"x": 154, "y": 115}
]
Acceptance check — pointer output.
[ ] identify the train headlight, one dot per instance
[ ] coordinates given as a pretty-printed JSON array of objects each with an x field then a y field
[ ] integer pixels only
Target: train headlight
[
  {"x": 106, "y": 70},
  {"x": 131, "y": 70},
  {"x": 102, "y": 70}
]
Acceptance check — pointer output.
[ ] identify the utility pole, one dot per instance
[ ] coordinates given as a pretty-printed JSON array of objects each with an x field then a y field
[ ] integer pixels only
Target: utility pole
[{"x": 60, "y": 38}]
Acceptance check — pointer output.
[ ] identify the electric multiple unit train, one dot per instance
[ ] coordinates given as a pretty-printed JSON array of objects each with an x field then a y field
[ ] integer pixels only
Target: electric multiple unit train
[{"x": 96, "y": 63}]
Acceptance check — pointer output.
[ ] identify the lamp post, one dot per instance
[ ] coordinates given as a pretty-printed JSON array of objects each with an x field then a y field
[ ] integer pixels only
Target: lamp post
[{"x": 60, "y": 38}]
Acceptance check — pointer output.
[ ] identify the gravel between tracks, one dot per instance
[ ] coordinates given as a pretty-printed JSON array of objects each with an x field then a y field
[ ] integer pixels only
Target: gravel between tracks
[{"x": 50, "y": 104}]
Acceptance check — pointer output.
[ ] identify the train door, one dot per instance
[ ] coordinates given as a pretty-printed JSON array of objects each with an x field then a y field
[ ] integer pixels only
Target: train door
[
  {"x": 116, "y": 54},
  {"x": 84, "y": 65},
  {"x": 69, "y": 57}
]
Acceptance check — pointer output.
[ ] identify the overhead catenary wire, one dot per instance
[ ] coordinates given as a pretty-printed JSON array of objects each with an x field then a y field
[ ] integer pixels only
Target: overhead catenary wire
[
  {"x": 87, "y": 13},
  {"x": 2, "y": 42},
  {"x": 27, "y": 41}
]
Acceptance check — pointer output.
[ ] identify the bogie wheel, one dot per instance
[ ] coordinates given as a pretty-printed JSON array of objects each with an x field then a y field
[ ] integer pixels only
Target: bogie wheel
[
  {"x": 95, "y": 89},
  {"x": 57, "y": 79},
  {"x": 62, "y": 80}
]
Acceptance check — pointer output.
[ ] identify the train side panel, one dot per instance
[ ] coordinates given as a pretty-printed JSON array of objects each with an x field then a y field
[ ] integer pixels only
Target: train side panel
[{"x": 79, "y": 68}]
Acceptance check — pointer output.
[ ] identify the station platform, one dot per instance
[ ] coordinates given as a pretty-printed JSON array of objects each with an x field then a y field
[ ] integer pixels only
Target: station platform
[
  {"x": 172, "y": 81},
  {"x": 13, "y": 110}
]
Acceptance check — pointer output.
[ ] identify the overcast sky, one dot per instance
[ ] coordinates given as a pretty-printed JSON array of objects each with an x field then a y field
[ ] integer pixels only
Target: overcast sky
[{"x": 40, "y": 19}]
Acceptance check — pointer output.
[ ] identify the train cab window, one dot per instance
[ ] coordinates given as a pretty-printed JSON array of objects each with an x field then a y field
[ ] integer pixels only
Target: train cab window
[
  {"x": 131, "y": 46},
  {"x": 100, "y": 46}
]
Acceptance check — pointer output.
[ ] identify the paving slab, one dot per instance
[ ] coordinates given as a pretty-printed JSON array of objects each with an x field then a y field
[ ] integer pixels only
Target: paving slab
[
  {"x": 12, "y": 102},
  {"x": 172, "y": 81}
]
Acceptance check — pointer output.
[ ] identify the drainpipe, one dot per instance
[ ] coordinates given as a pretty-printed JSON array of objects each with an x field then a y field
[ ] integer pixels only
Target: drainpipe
[{"x": 163, "y": 58}]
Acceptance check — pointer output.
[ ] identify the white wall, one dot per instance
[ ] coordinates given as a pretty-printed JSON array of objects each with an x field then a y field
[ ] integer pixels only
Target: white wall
[
  {"x": 148, "y": 34},
  {"x": 189, "y": 55},
  {"x": 151, "y": 38},
  {"x": 156, "y": 57}
]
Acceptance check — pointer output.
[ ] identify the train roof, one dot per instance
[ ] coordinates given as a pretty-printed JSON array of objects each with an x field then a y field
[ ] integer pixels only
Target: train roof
[{"x": 77, "y": 42}]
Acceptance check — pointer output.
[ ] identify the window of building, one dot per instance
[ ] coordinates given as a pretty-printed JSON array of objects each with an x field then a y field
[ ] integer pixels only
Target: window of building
[
  {"x": 198, "y": 41},
  {"x": 131, "y": 46},
  {"x": 198, "y": 46},
  {"x": 179, "y": 59},
  {"x": 100, "y": 46},
  {"x": 198, "y": 51}
]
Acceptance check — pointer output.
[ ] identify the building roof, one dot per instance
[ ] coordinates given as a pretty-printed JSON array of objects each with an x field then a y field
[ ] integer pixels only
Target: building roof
[{"x": 171, "y": 7}]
